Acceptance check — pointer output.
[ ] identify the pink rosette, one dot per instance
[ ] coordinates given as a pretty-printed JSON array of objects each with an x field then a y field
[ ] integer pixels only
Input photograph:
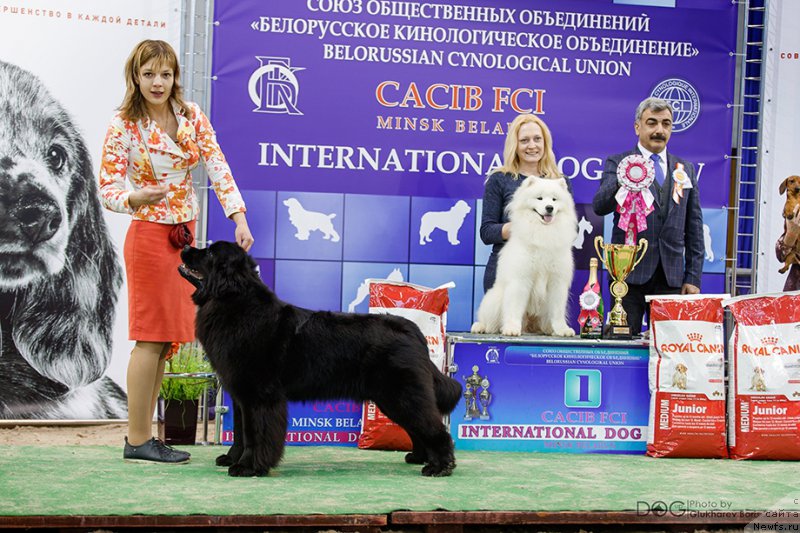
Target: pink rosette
[{"x": 635, "y": 174}]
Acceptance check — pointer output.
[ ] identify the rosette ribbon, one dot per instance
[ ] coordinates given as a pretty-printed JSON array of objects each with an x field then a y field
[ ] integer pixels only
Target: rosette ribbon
[
  {"x": 681, "y": 181},
  {"x": 589, "y": 302},
  {"x": 635, "y": 174}
]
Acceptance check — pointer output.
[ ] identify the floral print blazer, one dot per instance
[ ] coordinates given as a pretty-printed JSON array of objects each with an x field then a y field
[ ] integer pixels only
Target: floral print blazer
[{"x": 125, "y": 156}]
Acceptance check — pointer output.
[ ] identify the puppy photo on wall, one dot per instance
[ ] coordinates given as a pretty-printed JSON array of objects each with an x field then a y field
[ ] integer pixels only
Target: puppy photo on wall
[
  {"x": 59, "y": 274},
  {"x": 535, "y": 267},
  {"x": 267, "y": 352}
]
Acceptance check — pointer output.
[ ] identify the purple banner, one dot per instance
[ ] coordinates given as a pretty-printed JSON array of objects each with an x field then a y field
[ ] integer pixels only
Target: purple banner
[
  {"x": 413, "y": 98},
  {"x": 346, "y": 122}
]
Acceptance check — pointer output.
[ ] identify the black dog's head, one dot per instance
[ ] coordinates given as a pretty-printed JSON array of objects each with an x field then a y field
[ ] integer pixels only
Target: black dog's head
[{"x": 223, "y": 270}]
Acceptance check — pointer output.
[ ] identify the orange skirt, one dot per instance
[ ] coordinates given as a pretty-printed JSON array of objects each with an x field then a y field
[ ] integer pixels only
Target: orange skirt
[{"x": 160, "y": 306}]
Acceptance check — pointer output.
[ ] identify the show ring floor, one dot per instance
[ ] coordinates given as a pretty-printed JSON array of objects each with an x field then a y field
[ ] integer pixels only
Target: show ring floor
[{"x": 91, "y": 486}]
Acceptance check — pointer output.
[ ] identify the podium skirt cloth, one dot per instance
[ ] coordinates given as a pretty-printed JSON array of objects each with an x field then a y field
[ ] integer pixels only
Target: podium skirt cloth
[{"x": 160, "y": 306}]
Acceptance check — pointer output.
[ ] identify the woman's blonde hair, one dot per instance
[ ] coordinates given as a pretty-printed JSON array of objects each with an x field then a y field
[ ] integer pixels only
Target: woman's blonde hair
[
  {"x": 547, "y": 164},
  {"x": 133, "y": 105}
]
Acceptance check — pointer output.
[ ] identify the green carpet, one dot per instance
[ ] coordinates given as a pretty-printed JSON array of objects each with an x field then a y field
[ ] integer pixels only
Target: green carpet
[{"x": 93, "y": 480}]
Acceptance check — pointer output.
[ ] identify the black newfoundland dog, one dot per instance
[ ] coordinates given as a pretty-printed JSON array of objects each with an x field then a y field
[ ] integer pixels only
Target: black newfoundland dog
[{"x": 267, "y": 352}]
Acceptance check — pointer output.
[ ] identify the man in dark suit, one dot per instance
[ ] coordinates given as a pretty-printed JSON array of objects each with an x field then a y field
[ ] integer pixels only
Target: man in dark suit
[{"x": 673, "y": 262}]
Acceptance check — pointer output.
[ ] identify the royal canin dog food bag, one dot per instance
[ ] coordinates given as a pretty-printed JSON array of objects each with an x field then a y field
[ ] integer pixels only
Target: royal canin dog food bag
[
  {"x": 427, "y": 308},
  {"x": 764, "y": 376},
  {"x": 687, "y": 377}
]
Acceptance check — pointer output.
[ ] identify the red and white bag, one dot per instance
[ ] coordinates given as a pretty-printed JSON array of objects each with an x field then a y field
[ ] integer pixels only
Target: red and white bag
[
  {"x": 687, "y": 377},
  {"x": 427, "y": 308},
  {"x": 764, "y": 376}
]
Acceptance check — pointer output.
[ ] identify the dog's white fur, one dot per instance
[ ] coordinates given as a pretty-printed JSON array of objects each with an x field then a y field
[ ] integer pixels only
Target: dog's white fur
[
  {"x": 306, "y": 221},
  {"x": 757, "y": 383},
  {"x": 363, "y": 289},
  {"x": 680, "y": 376},
  {"x": 535, "y": 267},
  {"x": 449, "y": 221}
]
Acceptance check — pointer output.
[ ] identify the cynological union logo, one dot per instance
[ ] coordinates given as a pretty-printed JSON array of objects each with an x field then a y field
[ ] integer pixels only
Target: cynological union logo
[
  {"x": 683, "y": 98},
  {"x": 273, "y": 87}
]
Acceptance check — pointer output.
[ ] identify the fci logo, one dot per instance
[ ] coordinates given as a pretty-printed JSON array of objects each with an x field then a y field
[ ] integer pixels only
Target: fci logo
[
  {"x": 684, "y": 100},
  {"x": 273, "y": 87}
]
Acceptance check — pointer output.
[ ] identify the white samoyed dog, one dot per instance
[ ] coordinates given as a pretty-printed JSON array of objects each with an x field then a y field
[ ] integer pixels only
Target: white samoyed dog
[{"x": 535, "y": 266}]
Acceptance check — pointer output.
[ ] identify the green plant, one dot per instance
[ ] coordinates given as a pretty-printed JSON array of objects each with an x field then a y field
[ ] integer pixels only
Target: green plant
[{"x": 190, "y": 359}]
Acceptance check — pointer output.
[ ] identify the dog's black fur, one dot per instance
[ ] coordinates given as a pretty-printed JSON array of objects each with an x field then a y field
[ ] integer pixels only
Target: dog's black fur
[{"x": 267, "y": 352}]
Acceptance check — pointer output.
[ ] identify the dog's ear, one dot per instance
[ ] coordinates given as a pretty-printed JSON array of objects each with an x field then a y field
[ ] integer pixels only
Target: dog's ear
[{"x": 782, "y": 186}]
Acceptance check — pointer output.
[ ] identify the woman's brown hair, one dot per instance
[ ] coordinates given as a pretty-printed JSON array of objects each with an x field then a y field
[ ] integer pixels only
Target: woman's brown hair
[{"x": 133, "y": 105}]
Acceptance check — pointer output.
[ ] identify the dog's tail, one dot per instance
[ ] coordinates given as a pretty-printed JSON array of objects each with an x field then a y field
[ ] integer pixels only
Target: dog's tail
[{"x": 447, "y": 390}]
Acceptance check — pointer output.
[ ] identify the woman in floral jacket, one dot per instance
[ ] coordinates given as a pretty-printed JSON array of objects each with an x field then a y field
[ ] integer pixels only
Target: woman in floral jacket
[{"x": 152, "y": 144}]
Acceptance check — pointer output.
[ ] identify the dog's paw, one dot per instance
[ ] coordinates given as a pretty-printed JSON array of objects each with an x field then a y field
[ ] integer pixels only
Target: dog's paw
[
  {"x": 477, "y": 327},
  {"x": 414, "y": 458},
  {"x": 511, "y": 331},
  {"x": 224, "y": 460},
  {"x": 232, "y": 456},
  {"x": 431, "y": 470},
  {"x": 565, "y": 331},
  {"x": 240, "y": 470}
]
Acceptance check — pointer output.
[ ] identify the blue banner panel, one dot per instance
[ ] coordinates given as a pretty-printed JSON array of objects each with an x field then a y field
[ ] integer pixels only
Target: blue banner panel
[
  {"x": 576, "y": 396},
  {"x": 335, "y": 423}
]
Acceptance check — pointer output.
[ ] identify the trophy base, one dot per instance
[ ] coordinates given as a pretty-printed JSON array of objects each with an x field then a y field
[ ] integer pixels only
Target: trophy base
[{"x": 621, "y": 333}]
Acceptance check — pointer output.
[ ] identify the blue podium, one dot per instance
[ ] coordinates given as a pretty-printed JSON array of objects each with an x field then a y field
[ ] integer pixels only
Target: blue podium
[{"x": 549, "y": 394}]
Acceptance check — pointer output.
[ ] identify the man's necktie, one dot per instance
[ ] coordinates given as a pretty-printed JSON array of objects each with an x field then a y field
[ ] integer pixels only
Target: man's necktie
[{"x": 659, "y": 173}]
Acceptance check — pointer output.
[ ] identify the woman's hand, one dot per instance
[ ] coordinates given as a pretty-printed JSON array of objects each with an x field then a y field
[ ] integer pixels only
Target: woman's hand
[
  {"x": 242, "y": 233},
  {"x": 147, "y": 195},
  {"x": 505, "y": 231}
]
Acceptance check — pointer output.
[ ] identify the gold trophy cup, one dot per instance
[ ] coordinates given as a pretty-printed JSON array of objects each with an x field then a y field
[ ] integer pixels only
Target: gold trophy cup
[{"x": 619, "y": 260}]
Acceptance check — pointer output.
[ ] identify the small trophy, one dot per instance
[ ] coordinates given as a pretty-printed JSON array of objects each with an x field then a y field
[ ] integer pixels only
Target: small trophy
[
  {"x": 619, "y": 260},
  {"x": 473, "y": 395},
  {"x": 485, "y": 397}
]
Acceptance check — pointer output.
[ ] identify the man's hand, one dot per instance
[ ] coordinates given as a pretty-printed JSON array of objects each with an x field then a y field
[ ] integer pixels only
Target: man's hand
[
  {"x": 792, "y": 228},
  {"x": 688, "y": 288}
]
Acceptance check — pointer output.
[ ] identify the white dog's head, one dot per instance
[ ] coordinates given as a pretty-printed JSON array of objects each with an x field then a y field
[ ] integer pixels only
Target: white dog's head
[
  {"x": 461, "y": 208},
  {"x": 292, "y": 203},
  {"x": 544, "y": 202}
]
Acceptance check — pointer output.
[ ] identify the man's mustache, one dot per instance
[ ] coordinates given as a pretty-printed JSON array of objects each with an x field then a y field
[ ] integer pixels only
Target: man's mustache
[{"x": 657, "y": 137}]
